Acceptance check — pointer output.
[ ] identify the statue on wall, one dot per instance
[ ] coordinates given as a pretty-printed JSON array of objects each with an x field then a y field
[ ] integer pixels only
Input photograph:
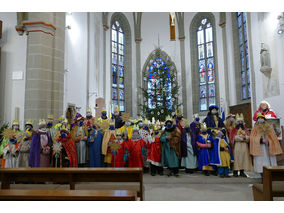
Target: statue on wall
[{"x": 265, "y": 61}]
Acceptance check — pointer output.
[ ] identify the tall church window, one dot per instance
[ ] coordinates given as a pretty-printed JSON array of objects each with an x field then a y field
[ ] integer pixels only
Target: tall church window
[
  {"x": 206, "y": 65},
  {"x": 118, "y": 66},
  {"x": 244, "y": 58}
]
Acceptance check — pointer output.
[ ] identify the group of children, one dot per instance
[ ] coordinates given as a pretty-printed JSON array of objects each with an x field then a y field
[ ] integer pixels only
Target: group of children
[{"x": 212, "y": 146}]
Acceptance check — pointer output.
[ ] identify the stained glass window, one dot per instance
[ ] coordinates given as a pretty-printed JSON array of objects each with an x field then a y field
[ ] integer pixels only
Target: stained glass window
[
  {"x": 206, "y": 65},
  {"x": 244, "y": 58},
  {"x": 157, "y": 87},
  {"x": 118, "y": 61}
]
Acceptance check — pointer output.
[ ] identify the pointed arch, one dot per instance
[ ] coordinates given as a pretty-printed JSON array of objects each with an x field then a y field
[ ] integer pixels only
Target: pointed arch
[
  {"x": 200, "y": 85},
  {"x": 121, "y": 69}
]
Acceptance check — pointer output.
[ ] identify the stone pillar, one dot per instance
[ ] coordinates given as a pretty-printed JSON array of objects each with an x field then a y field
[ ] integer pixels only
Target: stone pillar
[
  {"x": 226, "y": 99},
  {"x": 45, "y": 64},
  {"x": 106, "y": 27},
  {"x": 180, "y": 21},
  {"x": 137, "y": 31}
]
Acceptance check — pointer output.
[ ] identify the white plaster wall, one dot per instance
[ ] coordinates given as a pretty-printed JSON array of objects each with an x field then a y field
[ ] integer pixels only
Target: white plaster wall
[
  {"x": 76, "y": 61},
  {"x": 13, "y": 58},
  {"x": 264, "y": 30}
]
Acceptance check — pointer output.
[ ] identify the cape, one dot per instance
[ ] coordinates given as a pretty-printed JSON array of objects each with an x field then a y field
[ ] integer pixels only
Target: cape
[
  {"x": 34, "y": 158},
  {"x": 70, "y": 149},
  {"x": 256, "y": 133},
  {"x": 215, "y": 158},
  {"x": 210, "y": 123}
]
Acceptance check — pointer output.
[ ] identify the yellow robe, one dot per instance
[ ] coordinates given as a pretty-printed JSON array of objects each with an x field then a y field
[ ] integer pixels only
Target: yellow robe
[{"x": 224, "y": 155}]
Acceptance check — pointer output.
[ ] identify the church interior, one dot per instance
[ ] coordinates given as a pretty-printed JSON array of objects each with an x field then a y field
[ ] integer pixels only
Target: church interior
[{"x": 146, "y": 78}]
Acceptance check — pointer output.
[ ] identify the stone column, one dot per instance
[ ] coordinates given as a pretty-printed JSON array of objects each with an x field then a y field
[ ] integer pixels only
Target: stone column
[
  {"x": 137, "y": 30},
  {"x": 45, "y": 64},
  {"x": 106, "y": 27},
  {"x": 180, "y": 21},
  {"x": 222, "y": 24}
]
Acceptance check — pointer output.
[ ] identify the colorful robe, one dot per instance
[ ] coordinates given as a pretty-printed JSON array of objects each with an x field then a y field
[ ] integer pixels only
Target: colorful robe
[
  {"x": 39, "y": 157},
  {"x": 219, "y": 157},
  {"x": 154, "y": 154},
  {"x": 70, "y": 149},
  {"x": 94, "y": 143},
  {"x": 190, "y": 161},
  {"x": 9, "y": 154},
  {"x": 135, "y": 152},
  {"x": 171, "y": 148},
  {"x": 118, "y": 157},
  {"x": 204, "y": 151}
]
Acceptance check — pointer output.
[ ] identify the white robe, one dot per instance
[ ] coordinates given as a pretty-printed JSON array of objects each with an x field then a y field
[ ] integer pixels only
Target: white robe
[
  {"x": 9, "y": 154},
  {"x": 264, "y": 160}
]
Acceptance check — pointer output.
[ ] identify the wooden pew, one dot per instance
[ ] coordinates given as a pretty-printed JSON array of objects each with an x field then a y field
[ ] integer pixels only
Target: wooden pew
[
  {"x": 268, "y": 190},
  {"x": 67, "y": 195},
  {"x": 73, "y": 175}
]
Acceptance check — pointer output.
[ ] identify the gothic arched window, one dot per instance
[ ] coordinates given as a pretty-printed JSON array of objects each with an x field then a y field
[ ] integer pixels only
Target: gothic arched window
[
  {"x": 206, "y": 65},
  {"x": 244, "y": 57},
  {"x": 118, "y": 66}
]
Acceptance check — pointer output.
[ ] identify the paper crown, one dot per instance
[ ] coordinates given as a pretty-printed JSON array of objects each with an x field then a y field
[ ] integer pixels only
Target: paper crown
[
  {"x": 231, "y": 115},
  {"x": 41, "y": 122},
  {"x": 65, "y": 120},
  {"x": 15, "y": 122},
  {"x": 116, "y": 109},
  {"x": 169, "y": 118},
  {"x": 139, "y": 118},
  {"x": 117, "y": 132},
  {"x": 125, "y": 117},
  {"x": 178, "y": 113},
  {"x": 203, "y": 126},
  {"x": 30, "y": 122},
  {"x": 185, "y": 122},
  {"x": 156, "y": 127},
  {"x": 240, "y": 117},
  {"x": 153, "y": 120},
  {"x": 195, "y": 116},
  {"x": 89, "y": 110},
  {"x": 145, "y": 121},
  {"x": 64, "y": 128},
  {"x": 61, "y": 118},
  {"x": 50, "y": 117},
  {"x": 134, "y": 121},
  {"x": 135, "y": 128},
  {"x": 260, "y": 115},
  {"x": 104, "y": 110}
]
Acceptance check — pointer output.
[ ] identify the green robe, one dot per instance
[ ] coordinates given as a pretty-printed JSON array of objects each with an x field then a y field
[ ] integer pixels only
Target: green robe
[
  {"x": 169, "y": 156},
  {"x": 3, "y": 144}
]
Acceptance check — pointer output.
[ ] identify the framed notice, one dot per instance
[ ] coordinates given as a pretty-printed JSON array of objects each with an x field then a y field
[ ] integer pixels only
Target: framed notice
[{"x": 275, "y": 122}]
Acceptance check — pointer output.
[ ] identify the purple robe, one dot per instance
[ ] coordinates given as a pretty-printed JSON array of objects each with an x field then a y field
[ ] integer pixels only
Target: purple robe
[
  {"x": 194, "y": 132},
  {"x": 34, "y": 159}
]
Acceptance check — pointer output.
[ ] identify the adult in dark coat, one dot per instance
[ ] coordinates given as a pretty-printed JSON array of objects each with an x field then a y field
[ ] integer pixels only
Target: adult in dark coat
[
  {"x": 194, "y": 132},
  {"x": 212, "y": 120}
]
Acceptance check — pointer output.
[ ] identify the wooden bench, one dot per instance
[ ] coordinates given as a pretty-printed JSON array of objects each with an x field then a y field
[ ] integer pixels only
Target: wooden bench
[
  {"x": 73, "y": 175},
  {"x": 67, "y": 195},
  {"x": 267, "y": 190}
]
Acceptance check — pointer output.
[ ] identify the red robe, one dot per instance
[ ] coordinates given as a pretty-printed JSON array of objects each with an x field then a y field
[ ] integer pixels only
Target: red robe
[
  {"x": 269, "y": 113},
  {"x": 119, "y": 156},
  {"x": 154, "y": 155},
  {"x": 134, "y": 148},
  {"x": 70, "y": 149}
]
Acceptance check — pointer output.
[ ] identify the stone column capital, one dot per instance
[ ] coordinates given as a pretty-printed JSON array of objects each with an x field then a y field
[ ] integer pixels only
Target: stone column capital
[
  {"x": 106, "y": 27},
  {"x": 35, "y": 26},
  {"x": 223, "y": 24},
  {"x": 138, "y": 40}
]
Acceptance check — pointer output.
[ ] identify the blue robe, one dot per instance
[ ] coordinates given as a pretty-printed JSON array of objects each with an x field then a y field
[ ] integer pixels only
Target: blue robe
[
  {"x": 204, "y": 153},
  {"x": 95, "y": 149},
  {"x": 215, "y": 158}
]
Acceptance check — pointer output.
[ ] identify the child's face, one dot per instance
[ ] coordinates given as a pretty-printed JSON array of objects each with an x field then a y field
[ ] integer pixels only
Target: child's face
[{"x": 118, "y": 137}]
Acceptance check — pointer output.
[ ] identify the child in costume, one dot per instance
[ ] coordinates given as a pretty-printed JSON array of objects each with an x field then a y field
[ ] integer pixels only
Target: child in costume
[
  {"x": 25, "y": 145},
  {"x": 79, "y": 135},
  {"x": 95, "y": 148},
  {"x": 108, "y": 138},
  {"x": 190, "y": 160},
  {"x": 10, "y": 152},
  {"x": 135, "y": 149},
  {"x": 239, "y": 139},
  {"x": 264, "y": 144},
  {"x": 170, "y": 139},
  {"x": 154, "y": 153},
  {"x": 64, "y": 149},
  {"x": 40, "y": 152},
  {"x": 204, "y": 143},
  {"x": 6, "y": 140},
  {"x": 221, "y": 154},
  {"x": 118, "y": 151}
]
